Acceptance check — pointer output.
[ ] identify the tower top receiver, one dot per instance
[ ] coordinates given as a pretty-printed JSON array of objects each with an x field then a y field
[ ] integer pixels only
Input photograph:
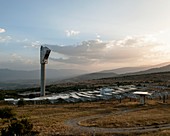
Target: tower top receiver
[{"x": 44, "y": 54}]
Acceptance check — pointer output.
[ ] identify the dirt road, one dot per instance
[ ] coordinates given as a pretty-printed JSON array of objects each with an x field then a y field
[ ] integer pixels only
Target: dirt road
[{"x": 74, "y": 123}]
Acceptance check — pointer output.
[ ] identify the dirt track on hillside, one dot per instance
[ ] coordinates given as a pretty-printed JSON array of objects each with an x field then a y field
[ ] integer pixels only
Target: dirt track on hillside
[{"x": 74, "y": 123}]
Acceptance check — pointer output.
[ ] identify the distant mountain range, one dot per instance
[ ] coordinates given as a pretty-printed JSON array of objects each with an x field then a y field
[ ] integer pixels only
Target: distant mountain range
[
  {"x": 14, "y": 75},
  {"x": 12, "y": 79},
  {"x": 91, "y": 76},
  {"x": 152, "y": 70},
  {"x": 121, "y": 72},
  {"x": 125, "y": 70}
]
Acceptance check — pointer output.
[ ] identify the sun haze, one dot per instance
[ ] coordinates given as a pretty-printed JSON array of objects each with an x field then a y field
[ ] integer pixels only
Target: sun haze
[{"x": 89, "y": 35}]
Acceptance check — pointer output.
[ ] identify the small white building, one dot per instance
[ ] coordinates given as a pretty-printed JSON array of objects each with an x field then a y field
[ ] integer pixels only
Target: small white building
[{"x": 142, "y": 96}]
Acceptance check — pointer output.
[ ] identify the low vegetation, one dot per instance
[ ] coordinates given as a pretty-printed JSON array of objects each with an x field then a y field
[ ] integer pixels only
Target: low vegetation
[
  {"x": 11, "y": 125},
  {"x": 143, "y": 117},
  {"x": 6, "y": 113},
  {"x": 18, "y": 127},
  {"x": 50, "y": 119}
]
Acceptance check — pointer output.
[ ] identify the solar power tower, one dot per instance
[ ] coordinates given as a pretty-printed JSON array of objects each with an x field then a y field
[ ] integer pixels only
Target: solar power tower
[{"x": 44, "y": 54}]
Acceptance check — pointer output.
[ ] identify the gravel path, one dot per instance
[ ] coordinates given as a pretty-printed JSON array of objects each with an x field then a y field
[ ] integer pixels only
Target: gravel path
[{"x": 74, "y": 123}]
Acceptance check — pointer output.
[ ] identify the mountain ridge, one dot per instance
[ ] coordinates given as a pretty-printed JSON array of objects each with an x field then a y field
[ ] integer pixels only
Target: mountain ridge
[
  {"x": 11, "y": 75},
  {"x": 112, "y": 73},
  {"x": 152, "y": 70},
  {"x": 19, "y": 80}
]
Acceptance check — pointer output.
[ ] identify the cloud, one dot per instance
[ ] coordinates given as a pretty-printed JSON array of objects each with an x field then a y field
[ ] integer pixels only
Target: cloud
[
  {"x": 18, "y": 58},
  {"x": 70, "y": 33},
  {"x": 29, "y": 44},
  {"x": 22, "y": 41},
  {"x": 19, "y": 65},
  {"x": 96, "y": 54},
  {"x": 17, "y": 61},
  {"x": 15, "y": 56},
  {"x": 2, "y": 30},
  {"x": 5, "y": 39},
  {"x": 98, "y": 36},
  {"x": 72, "y": 60},
  {"x": 131, "y": 49},
  {"x": 36, "y": 44}
]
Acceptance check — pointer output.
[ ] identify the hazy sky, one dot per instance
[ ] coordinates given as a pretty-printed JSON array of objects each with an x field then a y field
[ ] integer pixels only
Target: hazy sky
[{"x": 84, "y": 34}]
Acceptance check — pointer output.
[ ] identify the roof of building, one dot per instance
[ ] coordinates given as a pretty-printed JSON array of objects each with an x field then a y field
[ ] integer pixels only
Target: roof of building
[{"x": 142, "y": 93}]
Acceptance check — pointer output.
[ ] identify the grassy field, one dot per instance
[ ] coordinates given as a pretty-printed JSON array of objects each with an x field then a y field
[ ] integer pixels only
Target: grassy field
[
  {"x": 50, "y": 119},
  {"x": 141, "y": 118}
]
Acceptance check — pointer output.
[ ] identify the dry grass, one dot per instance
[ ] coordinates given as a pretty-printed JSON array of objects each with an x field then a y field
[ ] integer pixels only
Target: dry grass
[
  {"x": 159, "y": 115},
  {"x": 50, "y": 119}
]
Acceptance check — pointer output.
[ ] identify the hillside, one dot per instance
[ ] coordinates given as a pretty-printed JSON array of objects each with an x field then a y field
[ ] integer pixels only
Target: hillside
[
  {"x": 13, "y": 79},
  {"x": 91, "y": 76},
  {"x": 152, "y": 70},
  {"x": 13, "y": 75},
  {"x": 126, "y": 70},
  {"x": 114, "y": 73}
]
